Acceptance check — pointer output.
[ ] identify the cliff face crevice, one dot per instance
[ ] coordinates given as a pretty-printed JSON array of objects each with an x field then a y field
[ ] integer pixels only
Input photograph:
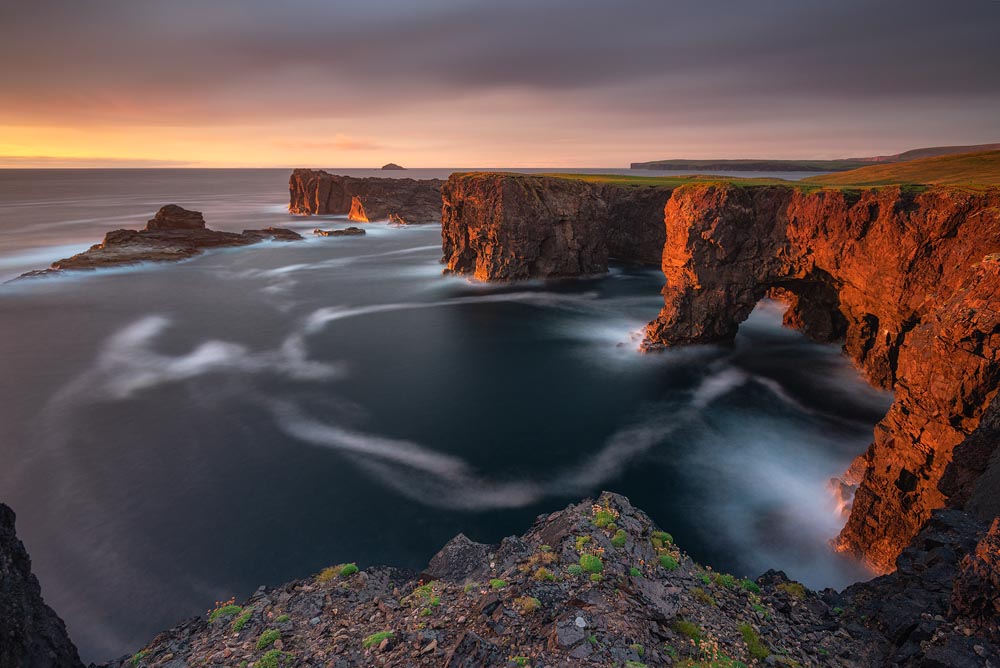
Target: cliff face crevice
[
  {"x": 910, "y": 284},
  {"x": 401, "y": 201},
  {"x": 515, "y": 226}
]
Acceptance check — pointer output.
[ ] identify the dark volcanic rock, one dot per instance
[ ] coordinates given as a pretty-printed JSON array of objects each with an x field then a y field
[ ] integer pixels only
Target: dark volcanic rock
[
  {"x": 31, "y": 634},
  {"x": 910, "y": 280},
  {"x": 401, "y": 201},
  {"x": 173, "y": 234},
  {"x": 498, "y": 226},
  {"x": 923, "y": 610},
  {"x": 594, "y": 584},
  {"x": 346, "y": 232},
  {"x": 975, "y": 596}
]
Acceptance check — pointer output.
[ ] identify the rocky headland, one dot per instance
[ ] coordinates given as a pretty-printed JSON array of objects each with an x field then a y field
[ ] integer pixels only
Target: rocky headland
[
  {"x": 173, "y": 234},
  {"x": 400, "y": 201},
  {"x": 500, "y": 226},
  {"x": 907, "y": 277},
  {"x": 595, "y": 584}
]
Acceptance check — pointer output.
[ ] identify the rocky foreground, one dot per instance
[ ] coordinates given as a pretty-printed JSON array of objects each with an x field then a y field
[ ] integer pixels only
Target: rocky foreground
[
  {"x": 596, "y": 584},
  {"x": 399, "y": 201},
  {"x": 173, "y": 234}
]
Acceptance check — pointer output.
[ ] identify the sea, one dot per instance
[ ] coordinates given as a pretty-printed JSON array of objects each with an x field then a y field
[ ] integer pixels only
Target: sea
[{"x": 173, "y": 435}]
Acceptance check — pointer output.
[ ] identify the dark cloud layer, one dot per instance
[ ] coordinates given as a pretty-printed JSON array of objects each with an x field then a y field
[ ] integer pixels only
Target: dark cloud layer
[{"x": 195, "y": 62}]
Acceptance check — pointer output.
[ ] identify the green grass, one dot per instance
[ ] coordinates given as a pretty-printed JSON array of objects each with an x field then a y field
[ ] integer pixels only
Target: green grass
[
  {"x": 497, "y": 583},
  {"x": 968, "y": 169},
  {"x": 661, "y": 539},
  {"x": 793, "y": 589},
  {"x": 581, "y": 542},
  {"x": 591, "y": 563},
  {"x": 544, "y": 575},
  {"x": 689, "y": 629},
  {"x": 519, "y": 660},
  {"x": 638, "y": 649},
  {"x": 267, "y": 638},
  {"x": 668, "y": 562},
  {"x": 348, "y": 569},
  {"x": 618, "y": 540},
  {"x": 138, "y": 657},
  {"x": 574, "y": 569},
  {"x": 272, "y": 659},
  {"x": 750, "y": 585},
  {"x": 333, "y": 572},
  {"x": 375, "y": 639},
  {"x": 635, "y": 572},
  {"x": 282, "y": 619},
  {"x": 755, "y": 645},
  {"x": 242, "y": 620},
  {"x": 724, "y": 580},
  {"x": 703, "y": 596},
  {"x": 225, "y": 611}
]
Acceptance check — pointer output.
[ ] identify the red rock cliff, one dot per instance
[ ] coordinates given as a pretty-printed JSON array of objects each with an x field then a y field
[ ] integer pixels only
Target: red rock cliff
[
  {"x": 499, "y": 226},
  {"x": 911, "y": 283},
  {"x": 405, "y": 201}
]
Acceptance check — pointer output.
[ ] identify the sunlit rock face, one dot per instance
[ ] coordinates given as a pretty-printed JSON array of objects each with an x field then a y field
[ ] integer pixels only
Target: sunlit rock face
[
  {"x": 499, "y": 226},
  {"x": 402, "y": 201},
  {"x": 910, "y": 282}
]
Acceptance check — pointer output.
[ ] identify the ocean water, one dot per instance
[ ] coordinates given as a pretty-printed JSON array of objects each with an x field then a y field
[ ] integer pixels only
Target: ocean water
[{"x": 176, "y": 435}]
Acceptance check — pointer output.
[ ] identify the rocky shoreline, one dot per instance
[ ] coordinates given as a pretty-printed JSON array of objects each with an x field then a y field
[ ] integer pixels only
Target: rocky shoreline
[
  {"x": 597, "y": 583},
  {"x": 172, "y": 235}
]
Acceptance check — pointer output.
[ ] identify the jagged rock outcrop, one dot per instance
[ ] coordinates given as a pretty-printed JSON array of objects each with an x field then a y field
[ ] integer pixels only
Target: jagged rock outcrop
[
  {"x": 939, "y": 606},
  {"x": 911, "y": 282},
  {"x": 594, "y": 584},
  {"x": 498, "y": 226},
  {"x": 31, "y": 634},
  {"x": 598, "y": 584},
  {"x": 401, "y": 201},
  {"x": 173, "y": 234}
]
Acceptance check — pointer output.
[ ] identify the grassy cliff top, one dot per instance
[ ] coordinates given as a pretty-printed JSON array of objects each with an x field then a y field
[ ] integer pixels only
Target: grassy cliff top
[{"x": 969, "y": 169}]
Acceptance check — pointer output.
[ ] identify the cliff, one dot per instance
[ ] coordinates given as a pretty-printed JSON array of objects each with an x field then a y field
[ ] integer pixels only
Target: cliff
[
  {"x": 908, "y": 280},
  {"x": 598, "y": 584},
  {"x": 31, "y": 635},
  {"x": 173, "y": 234},
  {"x": 401, "y": 201},
  {"x": 907, "y": 277},
  {"x": 499, "y": 226}
]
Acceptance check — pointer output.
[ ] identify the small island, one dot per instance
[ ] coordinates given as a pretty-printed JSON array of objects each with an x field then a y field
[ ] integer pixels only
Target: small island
[{"x": 392, "y": 166}]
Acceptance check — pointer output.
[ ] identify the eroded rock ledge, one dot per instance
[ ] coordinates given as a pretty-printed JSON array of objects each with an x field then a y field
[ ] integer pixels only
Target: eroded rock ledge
[
  {"x": 499, "y": 226},
  {"x": 173, "y": 234},
  {"x": 400, "y": 201}
]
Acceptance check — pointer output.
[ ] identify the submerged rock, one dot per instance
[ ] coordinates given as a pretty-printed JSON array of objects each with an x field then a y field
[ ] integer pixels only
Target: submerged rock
[
  {"x": 31, "y": 634},
  {"x": 173, "y": 234}
]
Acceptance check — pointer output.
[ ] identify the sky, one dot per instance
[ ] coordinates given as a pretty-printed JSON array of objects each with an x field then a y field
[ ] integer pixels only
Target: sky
[{"x": 449, "y": 83}]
